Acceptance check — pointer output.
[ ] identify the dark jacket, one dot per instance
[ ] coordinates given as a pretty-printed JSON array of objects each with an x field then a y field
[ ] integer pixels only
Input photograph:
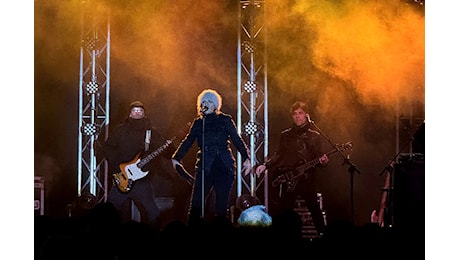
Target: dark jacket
[
  {"x": 297, "y": 145},
  {"x": 128, "y": 140},
  {"x": 219, "y": 130}
]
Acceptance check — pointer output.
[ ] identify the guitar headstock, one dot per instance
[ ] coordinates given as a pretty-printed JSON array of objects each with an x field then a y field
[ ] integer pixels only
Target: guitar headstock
[{"x": 348, "y": 146}]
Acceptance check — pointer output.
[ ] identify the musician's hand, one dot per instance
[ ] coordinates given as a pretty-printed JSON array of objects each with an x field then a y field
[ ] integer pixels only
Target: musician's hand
[
  {"x": 246, "y": 167},
  {"x": 260, "y": 169},
  {"x": 175, "y": 163},
  {"x": 374, "y": 217},
  {"x": 324, "y": 159}
]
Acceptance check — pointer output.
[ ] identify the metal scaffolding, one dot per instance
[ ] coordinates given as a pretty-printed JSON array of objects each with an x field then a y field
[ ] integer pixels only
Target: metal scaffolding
[
  {"x": 252, "y": 119},
  {"x": 410, "y": 115},
  {"x": 94, "y": 89}
]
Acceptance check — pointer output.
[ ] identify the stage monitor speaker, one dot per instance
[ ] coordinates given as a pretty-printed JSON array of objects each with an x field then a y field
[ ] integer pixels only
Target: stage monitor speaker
[{"x": 409, "y": 195}]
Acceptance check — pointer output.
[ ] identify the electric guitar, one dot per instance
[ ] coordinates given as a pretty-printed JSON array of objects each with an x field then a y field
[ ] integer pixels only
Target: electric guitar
[
  {"x": 290, "y": 176},
  {"x": 132, "y": 170},
  {"x": 382, "y": 216}
]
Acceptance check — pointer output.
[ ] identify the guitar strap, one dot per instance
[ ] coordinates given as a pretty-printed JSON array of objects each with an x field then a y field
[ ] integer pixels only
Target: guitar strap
[{"x": 148, "y": 133}]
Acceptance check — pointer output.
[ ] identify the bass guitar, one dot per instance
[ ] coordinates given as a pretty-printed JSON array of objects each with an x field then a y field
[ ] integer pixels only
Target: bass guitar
[
  {"x": 290, "y": 176},
  {"x": 132, "y": 170}
]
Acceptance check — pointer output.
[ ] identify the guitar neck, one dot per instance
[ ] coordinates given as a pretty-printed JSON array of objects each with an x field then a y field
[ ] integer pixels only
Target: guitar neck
[
  {"x": 291, "y": 176},
  {"x": 154, "y": 154},
  {"x": 307, "y": 165},
  {"x": 313, "y": 162}
]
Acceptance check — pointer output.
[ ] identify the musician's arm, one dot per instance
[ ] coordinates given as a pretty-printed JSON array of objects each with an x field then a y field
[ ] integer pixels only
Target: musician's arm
[{"x": 269, "y": 163}]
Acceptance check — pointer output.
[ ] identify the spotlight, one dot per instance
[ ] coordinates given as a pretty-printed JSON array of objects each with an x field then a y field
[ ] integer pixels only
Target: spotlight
[
  {"x": 87, "y": 200},
  {"x": 250, "y": 128},
  {"x": 247, "y": 46},
  {"x": 92, "y": 87},
  {"x": 255, "y": 216},
  {"x": 89, "y": 129},
  {"x": 90, "y": 43},
  {"x": 250, "y": 86}
]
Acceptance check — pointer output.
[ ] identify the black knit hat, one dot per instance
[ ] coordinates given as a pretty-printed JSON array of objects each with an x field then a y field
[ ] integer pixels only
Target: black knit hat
[{"x": 136, "y": 104}]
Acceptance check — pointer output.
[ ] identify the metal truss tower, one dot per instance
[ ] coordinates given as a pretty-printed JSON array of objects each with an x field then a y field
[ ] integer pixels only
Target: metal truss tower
[
  {"x": 94, "y": 89},
  {"x": 410, "y": 116},
  {"x": 252, "y": 111}
]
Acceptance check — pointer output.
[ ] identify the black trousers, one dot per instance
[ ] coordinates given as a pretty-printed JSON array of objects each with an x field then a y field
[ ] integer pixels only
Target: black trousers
[
  {"x": 282, "y": 201},
  {"x": 220, "y": 179},
  {"x": 143, "y": 196}
]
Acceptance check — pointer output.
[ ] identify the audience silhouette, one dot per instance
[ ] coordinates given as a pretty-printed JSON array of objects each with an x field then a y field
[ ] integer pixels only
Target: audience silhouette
[{"x": 101, "y": 235}]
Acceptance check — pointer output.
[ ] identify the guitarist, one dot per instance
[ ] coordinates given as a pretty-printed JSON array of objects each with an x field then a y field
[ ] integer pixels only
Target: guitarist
[
  {"x": 297, "y": 144},
  {"x": 133, "y": 137}
]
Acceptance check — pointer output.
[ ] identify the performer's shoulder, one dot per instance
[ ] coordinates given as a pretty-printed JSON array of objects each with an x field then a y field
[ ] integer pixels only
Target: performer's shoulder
[
  {"x": 222, "y": 114},
  {"x": 225, "y": 116}
]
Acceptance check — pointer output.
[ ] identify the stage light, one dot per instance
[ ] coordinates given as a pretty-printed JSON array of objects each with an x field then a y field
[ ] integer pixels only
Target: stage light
[
  {"x": 255, "y": 216},
  {"x": 250, "y": 128},
  {"x": 247, "y": 46},
  {"x": 250, "y": 86},
  {"x": 89, "y": 129},
  {"x": 90, "y": 43},
  {"x": 92, "y": 87},
  {"x": 87, "y": 200}
]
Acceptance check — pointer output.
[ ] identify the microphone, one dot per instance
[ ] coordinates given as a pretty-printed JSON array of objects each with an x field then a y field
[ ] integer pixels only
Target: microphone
[
  {"x": 204, "y": 109},
  {"x": 309, "y": 119}
]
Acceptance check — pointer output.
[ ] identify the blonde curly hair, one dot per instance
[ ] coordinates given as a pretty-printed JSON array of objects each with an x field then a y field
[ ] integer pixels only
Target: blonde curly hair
[{"x": 211, "y": 95}]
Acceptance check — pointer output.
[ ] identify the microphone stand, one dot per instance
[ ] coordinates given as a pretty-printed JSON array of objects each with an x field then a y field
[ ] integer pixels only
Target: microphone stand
[
  {"x": 351, "y": 168},
  {"x": 202, "y": 164}
]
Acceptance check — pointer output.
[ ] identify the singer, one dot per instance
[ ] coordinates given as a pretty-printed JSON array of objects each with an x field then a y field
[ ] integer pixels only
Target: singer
[{"x": 215, "y": 164}]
